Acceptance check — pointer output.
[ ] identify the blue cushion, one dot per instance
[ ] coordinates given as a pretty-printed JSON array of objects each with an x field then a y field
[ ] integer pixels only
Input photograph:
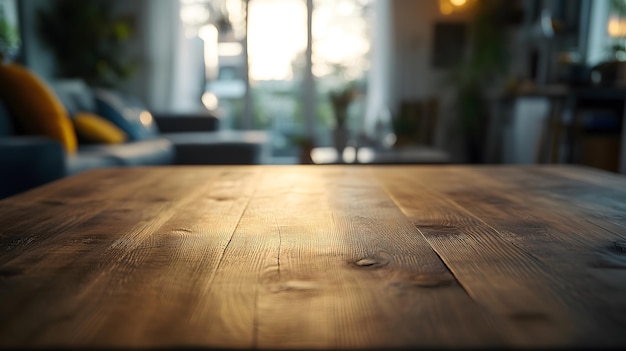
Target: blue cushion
[
  {"x": 126, "y": 113},
  {"x": 75, "y": 95},
  {"x": 6, "y": 125}
]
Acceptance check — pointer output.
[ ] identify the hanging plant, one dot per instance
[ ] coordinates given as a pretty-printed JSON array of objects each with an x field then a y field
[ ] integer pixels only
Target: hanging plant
[{"x": 88, "y": 41}]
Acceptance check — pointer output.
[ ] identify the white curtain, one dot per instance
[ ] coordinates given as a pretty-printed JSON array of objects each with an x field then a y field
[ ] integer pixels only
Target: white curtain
[
  {"x": 379, "y": 92},
  {"x": 175, "y": 64}
]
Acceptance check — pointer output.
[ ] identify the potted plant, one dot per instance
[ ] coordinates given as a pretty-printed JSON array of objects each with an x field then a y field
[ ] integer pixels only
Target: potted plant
[
  {"x": 340, "y": 101},
  {"x": 305, "y": 146},
  {"x": 89, "y": 41}
]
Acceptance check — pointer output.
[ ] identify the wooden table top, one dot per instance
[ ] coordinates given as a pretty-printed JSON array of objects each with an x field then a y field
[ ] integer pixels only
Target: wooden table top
[{"x": 317, "y": 257}]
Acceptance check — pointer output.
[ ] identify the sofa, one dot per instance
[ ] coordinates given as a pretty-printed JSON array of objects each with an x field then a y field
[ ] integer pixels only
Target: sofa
[
  {"x": 197, "y": 140},
  {"x": 50, "y": 130}
]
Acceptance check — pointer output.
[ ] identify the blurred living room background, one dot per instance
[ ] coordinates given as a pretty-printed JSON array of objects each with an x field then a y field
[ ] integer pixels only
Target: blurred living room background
[{"x": 355, "y": 81}]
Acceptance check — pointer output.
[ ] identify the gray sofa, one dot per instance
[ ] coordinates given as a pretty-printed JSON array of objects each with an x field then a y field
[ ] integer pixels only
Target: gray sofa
[
  {"x": 27, "y": 161},
  {"x": 197, "y": 141}
]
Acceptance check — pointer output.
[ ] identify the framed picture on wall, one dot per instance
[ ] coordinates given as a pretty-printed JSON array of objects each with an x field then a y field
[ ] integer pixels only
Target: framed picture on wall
[{"x": 449, "y": 42}]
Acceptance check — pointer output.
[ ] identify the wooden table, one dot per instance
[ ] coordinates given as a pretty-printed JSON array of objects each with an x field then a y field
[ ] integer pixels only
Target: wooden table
[{"x": 317, "y": 257}]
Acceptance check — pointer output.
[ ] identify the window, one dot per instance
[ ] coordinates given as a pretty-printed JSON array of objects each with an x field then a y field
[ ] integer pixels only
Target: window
[{"x": 262, "y": 75}]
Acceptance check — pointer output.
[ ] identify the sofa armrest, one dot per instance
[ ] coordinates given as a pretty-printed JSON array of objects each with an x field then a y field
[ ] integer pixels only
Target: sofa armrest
[
  {"x": 176, "y": 123},
  {"x": 29, "y": 161}
]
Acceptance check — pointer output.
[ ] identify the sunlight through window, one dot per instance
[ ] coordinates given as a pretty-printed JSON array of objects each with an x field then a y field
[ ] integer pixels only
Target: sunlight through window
[{"x": 276, "y": 36}]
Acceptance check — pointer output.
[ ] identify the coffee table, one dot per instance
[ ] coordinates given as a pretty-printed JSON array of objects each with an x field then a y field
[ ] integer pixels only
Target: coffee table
[{"x": 316, "y": 257}]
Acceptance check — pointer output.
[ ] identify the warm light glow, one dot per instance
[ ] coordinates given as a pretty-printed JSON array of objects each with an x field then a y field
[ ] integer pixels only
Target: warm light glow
[
  {"x": 210, "y": 101},
  {"x": 365, "y": 155},
  {"x": 276, "y": 35},
  {"x": 445, "y": 8},
  {"x": 330, "y": 155},
  {"x": 340, "y": 39},
  {"x": 616, "y": 27},
  {"x": 324, "y": 155},
  {"x": 236, "y": 15},
  {"x": 349, "y": 154},
  {"x": 229, "y": 49},
  {"x": 277, "y": 38},
  {"x": 209, "y": 35},
  {"x": 208, "y": 32},
  {"x": 194, "y": 14},
  {"x": 146, "y": 118}
]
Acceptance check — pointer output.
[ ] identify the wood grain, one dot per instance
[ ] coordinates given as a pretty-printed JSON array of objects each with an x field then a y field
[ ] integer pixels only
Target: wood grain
[
  {"x": 310, "y": 257},
  {"x": 354, "y": 273},
  {"x": 99, "y": 259},
  {"x": 515, "y": 232}
]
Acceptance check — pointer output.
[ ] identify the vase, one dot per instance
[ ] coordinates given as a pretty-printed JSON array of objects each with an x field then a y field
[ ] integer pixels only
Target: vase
[{"x": 341, "y": 135}]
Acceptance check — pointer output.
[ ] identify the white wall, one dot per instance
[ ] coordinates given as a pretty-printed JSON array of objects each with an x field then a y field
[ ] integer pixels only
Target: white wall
[
  {"x": 522, "y": 138},
  {"x": 413, "y": 75}
]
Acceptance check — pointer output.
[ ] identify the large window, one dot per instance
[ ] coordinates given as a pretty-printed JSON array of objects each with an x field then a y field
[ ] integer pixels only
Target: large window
[
  {"x": 277, "y": 40},
  {"x": 262, "y": 76},
  {"x": 341, "y": 60}
]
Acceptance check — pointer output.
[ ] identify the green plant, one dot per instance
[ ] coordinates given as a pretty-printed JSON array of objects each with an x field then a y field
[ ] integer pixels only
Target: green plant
[
  {"x": 487, "y": 63},
  {"x": 9, "y": 37},
  {"x": 88, "y": 41},
  {"x": 617, "y": 7}
]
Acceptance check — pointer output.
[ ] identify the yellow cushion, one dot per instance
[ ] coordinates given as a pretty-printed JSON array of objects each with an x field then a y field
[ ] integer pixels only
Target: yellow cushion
[
  {"x": 95, "y": 129},
  {"x": 34, "y": 105}
]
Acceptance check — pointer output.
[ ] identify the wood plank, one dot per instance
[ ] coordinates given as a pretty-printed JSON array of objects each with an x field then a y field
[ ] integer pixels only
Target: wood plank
[
  {"x": 354, "y": 273},
  {"x": 599, "y": 195},
  {"x": 119, "y": 257},
  {"x": 62, "y": 205},
  {"x": 589, "y": 196},
  {"x": 507, "y": 223},
  {"x": 178, "y": 267},
  {"x": 496, "y": 274},
  {"x": 582, "y": 254},
  {"x": 331, "y": 257}
]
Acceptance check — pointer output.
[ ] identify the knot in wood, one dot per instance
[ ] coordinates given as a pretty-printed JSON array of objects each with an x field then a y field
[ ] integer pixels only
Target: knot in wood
[
  {"x": 296, "y": 285},
  {"x": 368, "y": 262}
]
